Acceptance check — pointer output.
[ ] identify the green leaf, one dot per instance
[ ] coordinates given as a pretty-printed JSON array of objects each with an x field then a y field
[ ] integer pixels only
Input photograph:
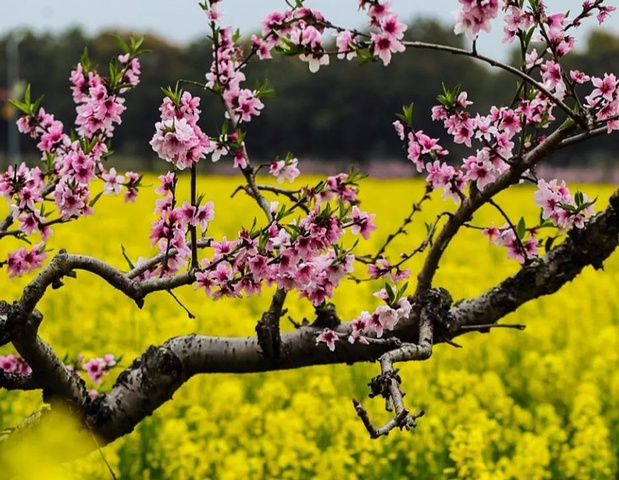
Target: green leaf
[
  {"x": 93, "y": 202},
  {"x": 407, "y": 114},
  {"x": 568, "y": 207},
  {"x": 121, "y": 43},
  {"x": 124, "y": 252},
  {"x": 390, "y": 292},
  {"x": 578, "y": 198},
  {"x": 85, "y": 61},
  {"x": 402, "y": 290},
  {"x": 521, "y": 229}
]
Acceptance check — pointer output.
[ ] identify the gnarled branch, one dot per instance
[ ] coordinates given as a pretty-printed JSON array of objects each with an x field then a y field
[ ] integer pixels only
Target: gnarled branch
[{"x": 153, "y": 378}]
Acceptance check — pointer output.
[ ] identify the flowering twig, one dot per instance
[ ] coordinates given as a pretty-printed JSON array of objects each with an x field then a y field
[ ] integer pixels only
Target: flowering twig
[
  {"x": 416, "y": 207},
  {"x": 512, "y": 228},
  {"x": 503, "y": 66}
]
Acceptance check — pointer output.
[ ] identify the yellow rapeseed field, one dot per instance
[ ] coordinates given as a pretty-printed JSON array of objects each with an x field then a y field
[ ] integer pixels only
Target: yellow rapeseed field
[{"x": 537, "y": 404}]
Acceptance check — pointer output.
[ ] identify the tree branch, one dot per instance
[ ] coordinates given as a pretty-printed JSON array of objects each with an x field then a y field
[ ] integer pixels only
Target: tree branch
[
  {"x": 471, "y": 204},
  {"x": 153, "y": 378},
  {"x": 17, "y": 381},
  {"x": 503, "y": 66},
  {"x": 590, "y": 245}
]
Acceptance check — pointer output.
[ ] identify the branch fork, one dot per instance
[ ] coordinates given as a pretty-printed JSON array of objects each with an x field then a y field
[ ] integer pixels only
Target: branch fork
[{"x": 430, "y": 308}]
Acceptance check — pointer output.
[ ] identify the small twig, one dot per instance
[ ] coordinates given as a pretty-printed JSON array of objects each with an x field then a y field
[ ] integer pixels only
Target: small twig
[
  {"x": 107, "y": 464},
  {"x": 508, "y": 68},
  {"x": 516, "y": 326},
  {"x": 581, "y": 137},
  {"x": 431, "y": 306},
  {"x": 512, "y": 227},
  {"x": 416, "y": 207},
  {"x": 192, "y": 228},
  {"x": 154, "y": 261},
  {"x": 387, "y": 427},
  {"x": 189, "y": 314},
  {"x": 194, "y": 83}
]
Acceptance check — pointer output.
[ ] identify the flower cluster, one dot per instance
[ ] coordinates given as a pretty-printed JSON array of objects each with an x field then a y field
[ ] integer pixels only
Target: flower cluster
[
  {"x": 13, "y": 364},
  {"x": 23, "y": 260},
  {"x": 298, "y": 30},
  {"x": 171, "y": 227},
  {"x": 70, "y": 164},
  {"x": 474, "y": 16},
  {"x": 97, "y": 108},
  {"x": 97, "y": 367},
  {"x": 518, "y": 246},
  {"x": 225, "y": 77},
  {"x": 388, "y": 41},
  {"x": 303, "y": 254},
  {"x": 560, "y": 207},
  {"x": 370, "y": 325},
  {"x": 385, "y": 41},
  {"x": 298, "y": 256},
  {"x": 178, "y": 139}
]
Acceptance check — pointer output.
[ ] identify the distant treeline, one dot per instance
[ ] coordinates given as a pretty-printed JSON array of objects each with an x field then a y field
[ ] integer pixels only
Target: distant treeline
[{"x": 343, "y": 112}]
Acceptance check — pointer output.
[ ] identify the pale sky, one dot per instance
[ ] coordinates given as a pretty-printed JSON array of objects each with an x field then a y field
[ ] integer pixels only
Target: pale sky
[{"x": 182, "y": 20}]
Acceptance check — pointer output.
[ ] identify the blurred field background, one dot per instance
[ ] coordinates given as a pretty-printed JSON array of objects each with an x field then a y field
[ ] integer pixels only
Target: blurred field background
[{"x": 537, "y": 404}]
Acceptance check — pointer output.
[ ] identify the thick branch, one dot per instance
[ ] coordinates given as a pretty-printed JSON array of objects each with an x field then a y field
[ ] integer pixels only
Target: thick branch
[
  {"x": 544, "y": 276},
  {"x": 267, "y": 328},
  {"x": 48, "y": 371},
  {"x": 156, "y": 375},
  {"x": 471, "y": 204},
  {"x": 17, "y": 381}
]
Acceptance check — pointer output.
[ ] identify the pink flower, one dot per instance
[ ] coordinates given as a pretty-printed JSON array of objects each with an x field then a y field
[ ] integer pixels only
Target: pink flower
[
  {"x": 385, "y": 45},
  {"x": 393, "y": 27},
  {"x": 329, "y": 337},
  {"x": 492, "y": 233},
  {"x": 345, "y": 43},
  {"x": 479, "y": 169},
  {"x": 24, "y": 261},
  {"x": 248, "y": 105},
  {"x": 204, "y": 214},
  {"x": 285, "y": 169},
  {"x": 578, "y": 76},
  {"x": 516, "y": 20},
  {"x": 603, "y": 12},
  {"x": 475, "y": 16},
  {"x": 359, "y": 325},
  {"x": 387, "y": 317},
  {"x": 262, "y": 48},
  {"x": 362, "y": 222},
  {"x": 605, "y": 87},
  {"x": 113, "y": 182},
  {"x": 30, "y": 222},
  {"x": 95, "y": 369},
  {"x": 8, "y": 363},
  {"x": 179, "y": 143}
]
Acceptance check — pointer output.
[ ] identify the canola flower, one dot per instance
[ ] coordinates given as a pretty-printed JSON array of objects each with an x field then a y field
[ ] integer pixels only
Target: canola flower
[{"x": 536, "y": 404}]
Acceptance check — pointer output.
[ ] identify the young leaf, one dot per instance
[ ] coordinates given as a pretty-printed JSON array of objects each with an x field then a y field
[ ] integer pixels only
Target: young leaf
[
  {"x": 124, "y": 252},
  {"x": 521, "y": 229}
]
